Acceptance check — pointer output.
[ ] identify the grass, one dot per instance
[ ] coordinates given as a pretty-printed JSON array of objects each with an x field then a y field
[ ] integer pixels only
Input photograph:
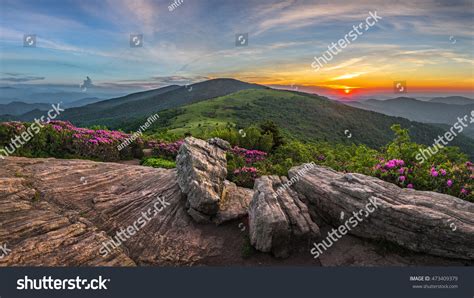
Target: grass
[
  {"x": 217, "y": 112},
  {"x": 303, "y": 117},
  {"x": 157, "y": 162}
]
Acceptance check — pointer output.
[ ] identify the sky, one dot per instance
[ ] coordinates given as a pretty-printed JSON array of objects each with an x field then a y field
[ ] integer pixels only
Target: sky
[{"x": 427, "y": 45}]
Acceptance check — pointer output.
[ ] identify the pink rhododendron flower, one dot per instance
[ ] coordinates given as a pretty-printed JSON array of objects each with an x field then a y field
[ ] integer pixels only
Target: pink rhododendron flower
[
  {"x": 250, "y": 156},
  {"x": 250, "y": 170},
  {"x": 399, "y": 162}
]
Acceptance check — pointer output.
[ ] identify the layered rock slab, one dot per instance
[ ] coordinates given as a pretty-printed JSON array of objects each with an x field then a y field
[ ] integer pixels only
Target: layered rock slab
[
  {"x": 418, "y": 220},
  {"x": 278, "y": 220},
  {"x": 60, "y": 212}
]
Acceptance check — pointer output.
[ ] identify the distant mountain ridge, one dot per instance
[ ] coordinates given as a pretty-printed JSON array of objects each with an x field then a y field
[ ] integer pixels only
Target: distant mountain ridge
[
  {"x": 301, "y": 116},
  {"x": 18, "y": 108},
  {"x": 117, "y": 110},
  {"x": 417, "y": 110},
  {"x": 307, "y": 117},
  {"x": 455, "y": 100},
  {"x": 22, "y": 109}
]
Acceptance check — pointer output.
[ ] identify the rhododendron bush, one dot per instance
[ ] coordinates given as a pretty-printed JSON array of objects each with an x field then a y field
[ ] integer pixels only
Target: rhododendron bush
[
  {"x": 242, "y": 165},
  {"x": 448, "y": 172},
  {"x": 165, "y": 149},
  {"x": 63, "y": 140},
  {"x": 245, "y": 176}
]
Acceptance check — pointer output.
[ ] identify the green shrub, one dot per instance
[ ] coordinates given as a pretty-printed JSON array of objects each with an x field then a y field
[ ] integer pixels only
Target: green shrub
[
  {"x": 63, "y": 140},
  {"x": 449, "y": 171},
  {"x": 158, "y": 163}
]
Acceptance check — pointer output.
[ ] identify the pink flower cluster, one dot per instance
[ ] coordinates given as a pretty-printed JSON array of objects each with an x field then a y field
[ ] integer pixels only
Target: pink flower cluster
[
  {"x": 393, "y": 163},
  {"x": 436, "y": 173},
  {"x": 245, "y": 176},
  {"x": 166, "y": 149},
  {"x": 390, "y": 165},
  {"x": 17, "y": 126},
  {"x": 250, "y": 156},
  {"x": 250, "y": 170},
  {"x": 397, "y": 166},
  {"x": 89, "y": 136}
]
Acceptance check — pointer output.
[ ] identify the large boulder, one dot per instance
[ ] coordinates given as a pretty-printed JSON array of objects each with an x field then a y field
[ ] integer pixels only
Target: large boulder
[
  {"x": 278, "y": 219},
  {"x": 223, "y": 144},
  {"x": 201, "y": 169},
  {"x": 421, "y": 221}
]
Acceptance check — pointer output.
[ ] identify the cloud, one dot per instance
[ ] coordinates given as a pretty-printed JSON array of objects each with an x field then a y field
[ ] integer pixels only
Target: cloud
[
  {"x": 156, "y": 82},
  {"x": 87, "y": 83},
  {"x": 348, "y": 76},
  {"x": 19, "y": 78},
  {"x": 402, "y": 15},
  {"x": 345, "y": 63},
  {"x": 178, "y": 79}
]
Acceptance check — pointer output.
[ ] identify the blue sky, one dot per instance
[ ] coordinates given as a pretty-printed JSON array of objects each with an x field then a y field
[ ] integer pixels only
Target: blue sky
[{"x": 196, "y": 41}]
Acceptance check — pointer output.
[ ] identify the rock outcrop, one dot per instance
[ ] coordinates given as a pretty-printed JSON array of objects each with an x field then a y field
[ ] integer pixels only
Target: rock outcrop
[
  {"x": 421, "y": 221},
  {"x": 65, "y": 212},
  {"x": 224, "y": 145},
  {"x": 277, "y": 217},
  {"x": 234, "y": 203},
  {"x": 202, "y": 169},
  {"x": 61, "y": 212}
]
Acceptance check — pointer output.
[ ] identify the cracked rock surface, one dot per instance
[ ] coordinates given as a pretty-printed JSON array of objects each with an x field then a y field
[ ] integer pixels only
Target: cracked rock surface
[
  {"x": 278, "y": 221},
  {"x": 60, "y": 212},
  {"x": 416, "y": 220}
]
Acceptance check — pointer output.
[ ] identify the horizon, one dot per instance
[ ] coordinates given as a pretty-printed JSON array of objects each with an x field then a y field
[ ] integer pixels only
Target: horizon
[
  {"x": 333, "y": 95},
  {"x": 83, "y": 45}
]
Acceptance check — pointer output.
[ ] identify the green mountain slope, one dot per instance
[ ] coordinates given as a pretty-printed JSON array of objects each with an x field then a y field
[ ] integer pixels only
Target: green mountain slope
[
  {"x": 115, "y": 112},
  {"x": 301, "y": 116}
]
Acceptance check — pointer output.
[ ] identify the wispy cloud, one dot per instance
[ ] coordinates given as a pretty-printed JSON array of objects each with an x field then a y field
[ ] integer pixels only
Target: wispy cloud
[
  {"x": 91, "y": 38},
  {"x": 348, "y": 76},
  {"x": 19, "y": 78}
]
